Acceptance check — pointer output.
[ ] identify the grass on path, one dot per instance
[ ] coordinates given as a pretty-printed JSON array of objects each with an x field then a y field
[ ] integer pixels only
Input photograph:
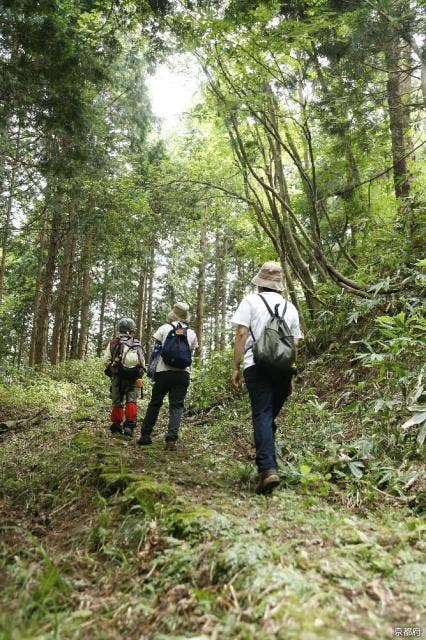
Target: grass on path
[{"x": 101, "y": 539}]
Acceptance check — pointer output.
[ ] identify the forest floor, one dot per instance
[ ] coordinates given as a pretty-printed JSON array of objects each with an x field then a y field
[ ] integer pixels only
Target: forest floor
[{"x": 102, "y": 539}]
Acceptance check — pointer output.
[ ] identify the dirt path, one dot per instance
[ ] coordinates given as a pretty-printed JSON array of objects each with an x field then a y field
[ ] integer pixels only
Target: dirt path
[{"x": 102, "y": 539}]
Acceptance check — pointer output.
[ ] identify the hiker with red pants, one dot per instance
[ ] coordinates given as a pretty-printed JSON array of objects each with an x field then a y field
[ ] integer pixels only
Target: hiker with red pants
[
  {"x": 169, "y": 368},
  {"x": 125, "y": 366},
  {"x": 267, "y": 331}
]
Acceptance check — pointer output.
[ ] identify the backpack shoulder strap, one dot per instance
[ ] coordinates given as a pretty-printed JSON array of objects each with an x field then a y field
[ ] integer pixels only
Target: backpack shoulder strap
[
  {"x": 271, "y": 313},
  {"x": 285, "y": 309},
  {"x": 114, "y": 347},
  {"x": 141, "y": 355},
  {"x": 113, "y": 343}
]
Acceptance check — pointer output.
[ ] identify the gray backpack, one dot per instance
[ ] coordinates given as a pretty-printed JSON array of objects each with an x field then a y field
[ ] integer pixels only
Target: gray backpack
[{"x": 274, "y": 350}]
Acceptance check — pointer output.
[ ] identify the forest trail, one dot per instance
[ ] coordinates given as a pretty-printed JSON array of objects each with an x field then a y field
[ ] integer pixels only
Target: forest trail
[
  {"x": 162, "y": 151},
  {"x": 117, "y": 540}
]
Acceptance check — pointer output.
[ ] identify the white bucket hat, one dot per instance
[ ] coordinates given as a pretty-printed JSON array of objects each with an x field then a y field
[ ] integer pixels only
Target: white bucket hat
[
  {"x": 180, "y": 312},
  {"x": 270, "y": 276}
]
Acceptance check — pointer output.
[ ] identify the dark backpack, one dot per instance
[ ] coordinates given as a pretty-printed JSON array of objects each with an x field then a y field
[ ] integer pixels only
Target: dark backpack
[
  {"x": 176, "y": 351},
  {"x": 274, "y": 350},
  {"x": 125, "y": 351}
]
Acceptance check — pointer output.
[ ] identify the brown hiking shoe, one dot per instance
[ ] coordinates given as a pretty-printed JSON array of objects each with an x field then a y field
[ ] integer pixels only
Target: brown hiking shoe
[
  {"x": 268, "y": 480},
  {"x": 144, "y": 440},
  {"x": 170, "y": 445}
]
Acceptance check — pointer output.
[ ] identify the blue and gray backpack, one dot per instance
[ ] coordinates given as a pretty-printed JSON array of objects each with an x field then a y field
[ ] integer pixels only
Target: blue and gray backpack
[{"x": 176, "y": 351}]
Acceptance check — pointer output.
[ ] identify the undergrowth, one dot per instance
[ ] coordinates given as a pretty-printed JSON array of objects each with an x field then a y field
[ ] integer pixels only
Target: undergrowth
[{"x": 101, "y": 539}]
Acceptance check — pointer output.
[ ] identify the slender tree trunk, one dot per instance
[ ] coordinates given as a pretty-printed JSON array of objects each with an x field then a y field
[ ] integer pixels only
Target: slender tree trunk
[
  {"x": 397, "y": 118},
  {"x": 239, "y": 290},
  {"x": 38, "y": 277},
  {"x": 100, "y": 341},
  {"x": 73, "y": 341},
  {"x": 211, "y": 334},
  {"x": 148, "y": 336},
  {"x": 292, "y": 292},
  {"x": 287, "y": 237},
  {"x": 66, "y": 319},
  {"x": 201, "y": 287},
  {"x": 9, "y": 207},
  {"x": 5, "y": 238},
  {"x": 65, "y": 273},
  {"x": 85, "y": 295},
  {"x": 223, "y": 313},
  {"x": 72, "y": 347},
  {"x": 65, "y": 332},
  {"x": 116, "y": 318},
  {"x": 224, "y": 294},
  {"x": 21, "y": 341},
  {"x": 46, "y": 293},
  {"x": 217, "y": 291},
  {"x": 86, "y": 346},
  {"x": 140, "y": 319},
  {"x": 279, "y": 223}
]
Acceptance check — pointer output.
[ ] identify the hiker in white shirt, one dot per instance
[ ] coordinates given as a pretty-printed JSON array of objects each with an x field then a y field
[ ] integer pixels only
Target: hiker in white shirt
[
  {"x": 267, "y": 390},
  {"x": 169, "y": 367}
]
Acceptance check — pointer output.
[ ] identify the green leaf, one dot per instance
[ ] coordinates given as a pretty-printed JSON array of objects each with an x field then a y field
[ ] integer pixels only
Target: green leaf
[
  {"x": 417, "y": 418},
  {"x": 356, "y": 468},
  {"x": 422, "y": 435},
  {"x": 304, "y": 469}
]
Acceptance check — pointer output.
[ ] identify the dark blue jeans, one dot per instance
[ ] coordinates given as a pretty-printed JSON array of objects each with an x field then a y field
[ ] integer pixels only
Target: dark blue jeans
[{"x": 267, "y": 396}]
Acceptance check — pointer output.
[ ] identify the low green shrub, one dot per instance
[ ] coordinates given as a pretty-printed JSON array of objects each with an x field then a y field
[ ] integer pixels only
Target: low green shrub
[
  {"x": 59, "y": 388},
  {"x": 210, "y": 385}
]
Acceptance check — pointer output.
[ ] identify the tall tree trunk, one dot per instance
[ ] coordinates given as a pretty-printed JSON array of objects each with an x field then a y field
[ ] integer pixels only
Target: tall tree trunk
[
  {"x": 116, "y": 318},
  {"x": 65, "y": 273},
  {"x": 277, "y": 223},
  {"x": 85, "y": 295},
  {"x": 201, "y": 287},
  {"x": 66, "y": 319},
  {"x": 42, "y": 316},
  {"x": 72, "y": 347},
  {"x": 73, "y": 339},
  {"x": 224, "y": 294},
  {"x": 148, "y": 336},
  {"x": 287, "y": 237},
  {"x": 239, "y": 289},
  {"x": 397, "y": 117},
  {"x": 211, "y": 335},
  {"x": 65, "y": 331},
  {"x": 9, "y": 207},
  {"x": 140, "y": 319},
  {"x": 292, "y": 292},
  {"x": 38, "y": 277},
  {"x": 100, "y": 341},
  {"x": 217, "y": 291},
  {"x": 21, "y": 341}
]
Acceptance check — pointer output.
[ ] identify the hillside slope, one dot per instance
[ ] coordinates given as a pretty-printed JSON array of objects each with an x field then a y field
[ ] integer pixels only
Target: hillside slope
[{"x": 102, "y": 539}]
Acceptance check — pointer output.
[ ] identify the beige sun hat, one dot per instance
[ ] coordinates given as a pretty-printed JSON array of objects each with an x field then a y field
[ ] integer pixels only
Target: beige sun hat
[
  {"x": 270, "y": 275},
  {"x": 180, "y": 312}
]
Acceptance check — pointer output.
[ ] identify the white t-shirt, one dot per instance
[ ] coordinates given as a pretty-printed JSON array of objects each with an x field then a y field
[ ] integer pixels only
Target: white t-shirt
[
  {"x": 162, "y": 333},
  {"x": 252, "y": 313}
]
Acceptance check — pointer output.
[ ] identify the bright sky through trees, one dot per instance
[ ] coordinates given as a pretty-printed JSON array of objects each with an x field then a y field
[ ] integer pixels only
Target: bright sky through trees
[{"x": 172, "y": 89}]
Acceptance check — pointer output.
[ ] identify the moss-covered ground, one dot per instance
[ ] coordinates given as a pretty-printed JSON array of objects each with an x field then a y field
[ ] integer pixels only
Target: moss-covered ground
[{"x": 102, "y": 539}]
